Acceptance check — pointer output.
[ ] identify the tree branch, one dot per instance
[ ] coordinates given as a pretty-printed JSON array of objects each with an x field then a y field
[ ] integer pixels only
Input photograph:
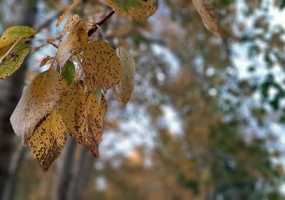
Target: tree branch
[{"x": 100, "y": 23}]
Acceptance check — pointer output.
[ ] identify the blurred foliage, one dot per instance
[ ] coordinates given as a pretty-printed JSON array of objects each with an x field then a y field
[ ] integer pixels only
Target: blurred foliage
[{"x": 220, "y": 153}]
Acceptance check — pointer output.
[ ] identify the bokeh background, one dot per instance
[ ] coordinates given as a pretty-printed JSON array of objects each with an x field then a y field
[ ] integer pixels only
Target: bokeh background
[{"x": 205, "y": 122}]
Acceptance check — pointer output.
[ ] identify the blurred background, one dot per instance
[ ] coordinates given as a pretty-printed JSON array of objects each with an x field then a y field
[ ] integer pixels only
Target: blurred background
[{"x": 206, "y": 120}]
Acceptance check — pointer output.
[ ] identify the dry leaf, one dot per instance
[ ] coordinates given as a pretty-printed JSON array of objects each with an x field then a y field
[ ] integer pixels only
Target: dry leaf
[
  {"x": 96, "y": 109},
  {"x": 139, "y": 10},
  {"x": 125, "y": 89},
  {"x": 72, "y": 43},
  {"x": 46, "y": 60},
  {"x": 83, "y": 115},
  {"x": 208, "y": 16},
  {"x": 37, "y": 101},
  {"x": 47, "y": 140},
  {"x": 66, "y": 11},
  {"x": 101, "y": 66}
]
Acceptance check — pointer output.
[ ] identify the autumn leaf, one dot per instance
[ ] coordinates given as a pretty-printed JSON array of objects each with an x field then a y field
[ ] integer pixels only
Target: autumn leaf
[
  {"x": 101, "y": 66},
  {"x": 69, "y": 104},
  {"x": 83, "y": 114},
  {"x": 208, "y": 16},
  {"x": 13, "y": 58},
  {"x": 37, "y": 101},
  {"x": 139, "y": 10},
  {"x": 45, "y": 61},
  {"x": 125, "y": 88},
  {"x": 73, "y": 42},
  {"x": 67, "y": 10},
  {"x": 47, "y": 140},
  {"x": 13, "y": 33},
  {"x": 96, "y": 109}
]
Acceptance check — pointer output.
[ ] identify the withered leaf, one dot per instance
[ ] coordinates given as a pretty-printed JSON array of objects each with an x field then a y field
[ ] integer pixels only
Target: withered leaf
[
  {"x": 139, "y": 10},
  {"x": 125, "y": 89},
  {"x": 37, "y": 101},
  {"x": 67, "y": 10},
  {"x": 46, "y": 60},
  {"x": 47, "y": 140},
  {"x": 69, "y": 104},
  {"x": 11, "y": 61},
  {"x": 208, "y": 16},
  {"x": 101, "y": 66},
  {"x": 96, "y": 109},
  {"x": 83, "y": 114},
  {"x": 72, "y": 43}
]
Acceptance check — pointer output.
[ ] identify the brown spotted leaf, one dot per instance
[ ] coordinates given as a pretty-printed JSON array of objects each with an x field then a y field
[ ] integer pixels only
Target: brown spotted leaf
[
  {"x": 101, "y": 66},
  {"x": 83, "y": 115},
  {"x": 139, "y": 10},
  {"x": 47, "y": 140},
  {"x": 37, "y": 101},
  {"x": 96, "y": 110},
  {"x": 125, "y": 89},
  {"x": 208, "y": 16},
  {"x": 69, "y": 104},
  {"x": 73, "y": 42}
]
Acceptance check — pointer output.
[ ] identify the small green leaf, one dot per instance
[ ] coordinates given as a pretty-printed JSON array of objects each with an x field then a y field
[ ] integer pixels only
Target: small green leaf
[
  {"x": 68, "y": 72},
  {"x": 14, "y": 59},
  {"x": 13, "y": 33}
]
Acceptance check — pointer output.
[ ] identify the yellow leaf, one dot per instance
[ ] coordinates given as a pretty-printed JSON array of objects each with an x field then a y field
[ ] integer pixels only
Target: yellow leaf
[
  {"x": 83, "y": 115},
  {"x": 139, "y": 10},
  {"x": 13, "y": 33},
  {"x": 125, "y": 89},
  {"x": 96, "y": 110},
  {"x": 69, "y": 104},
  {"x": 208, "y": 16},
  {"x": 47, "y": 140},
  {"x": 37, "y": 101},
  {"x": 12, "y": 58},
  {"x": 101, "y": 66}
]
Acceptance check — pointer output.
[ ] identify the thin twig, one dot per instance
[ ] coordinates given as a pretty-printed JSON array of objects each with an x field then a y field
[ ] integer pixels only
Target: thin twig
[{"x": 100, "y": 23}]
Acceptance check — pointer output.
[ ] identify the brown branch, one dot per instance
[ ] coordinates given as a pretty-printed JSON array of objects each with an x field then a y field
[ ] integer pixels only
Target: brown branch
[{"x": 100, "y": 23}]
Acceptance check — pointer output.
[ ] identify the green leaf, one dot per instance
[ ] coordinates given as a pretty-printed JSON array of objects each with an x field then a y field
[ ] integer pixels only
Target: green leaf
[
  {"x": 68, "y": 72},
  {"x": 13, "y": 33},
  {"x": 14, "y": 59},
  {"x": 138, "y": 10},
  {"x": 127, "y": 4},
  {"x": 282, "y": 4}
]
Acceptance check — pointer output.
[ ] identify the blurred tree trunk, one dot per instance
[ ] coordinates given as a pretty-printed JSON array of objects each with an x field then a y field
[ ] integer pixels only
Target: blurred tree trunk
[
  {"x": 20, "y": 12},
  {"x": 81, "y": 173},
  {"x": 63, "y": 172},
  {"x": 72, "y": 173}
]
